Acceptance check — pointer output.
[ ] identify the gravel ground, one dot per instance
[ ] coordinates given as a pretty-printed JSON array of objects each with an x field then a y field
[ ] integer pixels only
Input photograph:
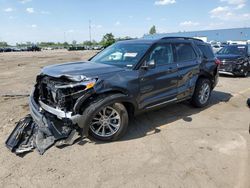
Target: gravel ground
[{"x": 177, "y": 146}]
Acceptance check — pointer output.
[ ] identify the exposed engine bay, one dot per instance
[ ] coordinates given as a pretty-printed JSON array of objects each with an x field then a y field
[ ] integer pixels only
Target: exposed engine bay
[
  {"x": 53, "y": 119},
  {"x": 61, "y": 93}
]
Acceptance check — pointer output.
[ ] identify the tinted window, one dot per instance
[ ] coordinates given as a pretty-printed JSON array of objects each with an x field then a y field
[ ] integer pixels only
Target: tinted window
[
  {"x": 248, "y": 49},
  {"x": 234, "y": 49},
  {"x": 207, "y": 51},
  {"x": 162, "y": 54},
  {"x": 185, "y": 52}
]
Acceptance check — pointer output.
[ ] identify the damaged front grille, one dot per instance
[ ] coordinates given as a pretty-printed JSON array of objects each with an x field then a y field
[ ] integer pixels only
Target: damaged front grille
[
  {"x": 52, "y": 92},
  {"x": 227, "y": 66}
]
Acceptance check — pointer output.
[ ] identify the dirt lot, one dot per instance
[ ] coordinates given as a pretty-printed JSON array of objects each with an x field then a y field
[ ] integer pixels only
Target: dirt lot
[{"x": 177, "y": 146}]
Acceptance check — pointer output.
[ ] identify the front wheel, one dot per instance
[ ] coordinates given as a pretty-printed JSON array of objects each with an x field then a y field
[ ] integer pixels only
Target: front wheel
[
  {"x": 109, "y": 123},
  {"x": 245, "y": 73},
  {"x": 202, "y": 93}
]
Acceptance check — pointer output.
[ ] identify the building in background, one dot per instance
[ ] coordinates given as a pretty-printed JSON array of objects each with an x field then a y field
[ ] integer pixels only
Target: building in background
[{"x": 220, "y": 35}]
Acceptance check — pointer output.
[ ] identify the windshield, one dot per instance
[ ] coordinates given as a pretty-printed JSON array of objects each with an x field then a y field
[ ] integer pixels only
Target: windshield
[
  {"x": 236, "y": 50},
  {"x": 122, "y": 54}
]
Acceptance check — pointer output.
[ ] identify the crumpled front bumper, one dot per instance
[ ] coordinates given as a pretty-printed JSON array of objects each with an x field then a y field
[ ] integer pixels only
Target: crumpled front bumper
[
  {"x": 37, "y": 112},
  {"x": 232, "y": 68}
]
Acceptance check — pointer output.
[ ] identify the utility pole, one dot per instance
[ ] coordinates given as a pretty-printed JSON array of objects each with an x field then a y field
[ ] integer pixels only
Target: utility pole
[{"x": 90, "y": 31}]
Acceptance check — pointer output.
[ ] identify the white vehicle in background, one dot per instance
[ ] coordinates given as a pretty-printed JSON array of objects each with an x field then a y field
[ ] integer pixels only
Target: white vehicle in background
[
  {"x": 216, "y": 48},
  {"x": 239, "y": 42}
]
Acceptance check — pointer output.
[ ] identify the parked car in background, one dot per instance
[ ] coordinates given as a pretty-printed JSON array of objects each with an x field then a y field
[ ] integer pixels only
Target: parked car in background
[
  {"x": 128, "y": 77},
  {"x": 33, "y": 48},
  {"x": 216, "y": 48},
  {"x": 76, "y": 48},
  {"x": 15, "y": 49},
  {"x": 223, "y": 44},
  {"x": 235, "y": 60}
]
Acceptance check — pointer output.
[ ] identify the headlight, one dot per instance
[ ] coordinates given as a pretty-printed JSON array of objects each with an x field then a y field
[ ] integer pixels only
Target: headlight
[
  {"x": 240, "y": 61},
  {"x": 77, "y": 78},
  {"x": 87, "y": 84}
]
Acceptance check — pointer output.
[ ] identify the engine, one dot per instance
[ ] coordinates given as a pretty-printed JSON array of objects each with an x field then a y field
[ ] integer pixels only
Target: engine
[{"x": 60, "y": 93}]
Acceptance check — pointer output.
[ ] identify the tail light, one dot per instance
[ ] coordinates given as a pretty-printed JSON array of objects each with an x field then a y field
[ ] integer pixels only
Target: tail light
[{"x": 217, "y": 61}]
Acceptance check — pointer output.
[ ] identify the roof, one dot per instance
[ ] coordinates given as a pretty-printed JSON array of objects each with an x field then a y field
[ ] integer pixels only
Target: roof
[
  {"x": 153, "y": 40},
  {"x": 139, "y": 41}
]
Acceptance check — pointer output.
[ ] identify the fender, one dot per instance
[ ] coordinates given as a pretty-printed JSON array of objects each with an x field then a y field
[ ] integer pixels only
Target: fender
[
  {"x": 116, "y": 96},
  {"x": 91, "y": 110}
]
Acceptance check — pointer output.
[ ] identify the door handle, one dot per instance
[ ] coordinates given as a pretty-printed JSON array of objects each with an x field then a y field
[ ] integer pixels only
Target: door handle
[{"x": 170, "y": 69}]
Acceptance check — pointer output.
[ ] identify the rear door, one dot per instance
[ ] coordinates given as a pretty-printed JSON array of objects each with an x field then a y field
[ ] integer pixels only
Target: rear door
[
  {"x": 208, "y": 61},
  {"x": 248, "y": 53},
  {"x": 159, "y": 84},
  {"x": 188, "y": 63}
]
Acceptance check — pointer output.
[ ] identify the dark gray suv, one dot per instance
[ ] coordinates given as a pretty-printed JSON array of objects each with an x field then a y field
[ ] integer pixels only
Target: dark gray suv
[{"x": 128, "y": 77}]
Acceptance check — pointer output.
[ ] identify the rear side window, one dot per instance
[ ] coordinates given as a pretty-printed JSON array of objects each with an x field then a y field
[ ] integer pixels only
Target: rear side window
[
  {"x": 248, "y": 49},
  {"x": 185, "y": 52},
  {"x": 207, "y": 51}
]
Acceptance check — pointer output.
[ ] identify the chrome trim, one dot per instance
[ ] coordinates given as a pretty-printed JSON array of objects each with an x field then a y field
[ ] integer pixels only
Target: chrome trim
[
  {"x": 59, "y": 113},
  {"x": 39, "y": 118},
  {"x": 227, "y": 73},
  {"x": 172, "y": 100}
]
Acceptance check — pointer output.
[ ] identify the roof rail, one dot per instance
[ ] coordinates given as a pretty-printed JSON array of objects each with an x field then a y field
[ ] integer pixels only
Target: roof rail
[{"x": 185, "y": 38}]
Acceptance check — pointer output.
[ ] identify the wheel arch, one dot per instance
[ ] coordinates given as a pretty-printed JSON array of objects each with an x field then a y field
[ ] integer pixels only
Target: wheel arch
[
  {"x": 206, "y": 76},
  {"x": 118, "y": 96}
]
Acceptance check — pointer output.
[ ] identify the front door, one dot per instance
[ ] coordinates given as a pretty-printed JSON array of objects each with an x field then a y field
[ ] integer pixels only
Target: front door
[{"x": 158, "y": 85}]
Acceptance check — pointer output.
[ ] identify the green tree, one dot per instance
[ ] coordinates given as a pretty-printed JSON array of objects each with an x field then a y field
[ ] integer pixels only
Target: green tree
[
  {"x": 152, "y": 30},
  {"x": 107, "y": 40},
  {"x": 87, "y": 43},
  {"x": 124, "y": 38},
  {"x": 3, "y": 44},
  {"x": 74, "y": 43},
  {"x": 65, "y": 45}
]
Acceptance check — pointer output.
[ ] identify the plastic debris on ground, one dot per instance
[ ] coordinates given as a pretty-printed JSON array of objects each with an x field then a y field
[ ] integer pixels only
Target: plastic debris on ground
[{"x": 27, "y": 136}]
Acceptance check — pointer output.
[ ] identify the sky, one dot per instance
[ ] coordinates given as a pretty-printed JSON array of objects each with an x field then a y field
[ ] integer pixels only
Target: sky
[{"x": 68, "y": 20}]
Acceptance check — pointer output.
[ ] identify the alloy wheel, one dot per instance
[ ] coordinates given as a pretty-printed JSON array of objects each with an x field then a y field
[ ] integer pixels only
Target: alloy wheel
[
  {"x": 106, "y": 122},
  {"x": 204, "y": 93}
]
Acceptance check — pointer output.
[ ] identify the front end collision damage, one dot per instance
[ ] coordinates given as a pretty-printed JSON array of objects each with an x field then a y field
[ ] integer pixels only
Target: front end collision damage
[
  {"x": 234, "y": 67},
  {"x": 61, "y": 99},
  {"x": 49, "y": 123},
  {"x": 59, "y": 116}
]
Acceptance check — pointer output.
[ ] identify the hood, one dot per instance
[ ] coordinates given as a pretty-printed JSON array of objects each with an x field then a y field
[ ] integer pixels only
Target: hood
[
  {"x": 228, "y": 57},
  {"x": 88, "y": 69}
]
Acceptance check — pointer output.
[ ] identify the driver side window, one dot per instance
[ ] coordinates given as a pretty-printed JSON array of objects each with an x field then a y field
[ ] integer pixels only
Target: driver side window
[{"x": 162, "y": 54}]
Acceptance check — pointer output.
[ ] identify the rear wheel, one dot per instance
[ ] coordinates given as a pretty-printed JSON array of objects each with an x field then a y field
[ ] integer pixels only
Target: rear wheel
[{"x": 202, "y": 93}]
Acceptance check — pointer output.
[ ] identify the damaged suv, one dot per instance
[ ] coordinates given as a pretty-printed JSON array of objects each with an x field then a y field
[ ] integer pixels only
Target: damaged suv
[
  {"x": 235, "y": 60},
  {"x": 126, "y": 78}
]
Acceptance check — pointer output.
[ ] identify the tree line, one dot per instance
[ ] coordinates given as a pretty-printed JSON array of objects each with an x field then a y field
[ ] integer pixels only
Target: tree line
[{"x": 107, "y": 40}]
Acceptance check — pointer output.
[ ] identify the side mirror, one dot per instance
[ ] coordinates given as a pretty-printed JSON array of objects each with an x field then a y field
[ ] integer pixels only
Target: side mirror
[{"x": 148, "y": 65}]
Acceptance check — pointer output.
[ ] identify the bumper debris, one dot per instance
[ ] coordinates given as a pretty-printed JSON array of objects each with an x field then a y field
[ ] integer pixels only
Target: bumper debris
[{"x": 28, "y": 135}]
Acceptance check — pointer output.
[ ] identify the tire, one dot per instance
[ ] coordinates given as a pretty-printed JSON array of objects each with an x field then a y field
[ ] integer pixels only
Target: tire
[
  {"x": 202, "y": 93},
  {"x": 104, "y": 115},
  {"x": 245, "y": 73}
]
